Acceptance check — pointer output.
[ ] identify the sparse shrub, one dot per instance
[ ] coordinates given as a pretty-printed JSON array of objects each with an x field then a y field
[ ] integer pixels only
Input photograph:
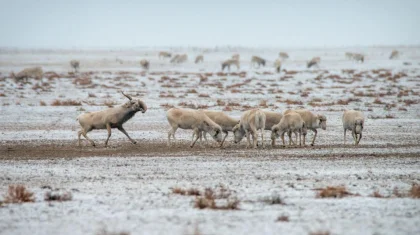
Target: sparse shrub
[
  {"x": 208, "y": 199},
  {"x": 415, "y": 191},
  {"x": 227, "y": 108},
  {"x": 66, "y": 103},
  {"x": 220, "y": 102},
  {"x": 263, "y": 103},
  {"x": 56, "y": 196},
  {"x": 410, "y": 102},
  {"x": 378, "y": 101},
  {"x": 192, "y": 91},
  {"x": 18, "y": 194},
  {"x": 295, "y": 102},
  {"x": 204, "y": 95},
  {"x": 91, "y": 95},
  {"x": 186, "y": 192},
  {"x": 377, "y": 195},
  {"x": 104, "y": 231},
  {"x": 42, "y": 103},
  {"x": 335, "y": 192},
  {"x": 283, "y": 218},
  {"x": 82, "y": 81},
  {"x": 320, "y": 233},
  {"x": 273, "y": 200},
  {"x": 2, "y": 95}
]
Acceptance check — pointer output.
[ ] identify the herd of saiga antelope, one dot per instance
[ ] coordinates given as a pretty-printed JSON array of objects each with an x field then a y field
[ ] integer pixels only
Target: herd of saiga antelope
[{"x": 217, "y": 123}]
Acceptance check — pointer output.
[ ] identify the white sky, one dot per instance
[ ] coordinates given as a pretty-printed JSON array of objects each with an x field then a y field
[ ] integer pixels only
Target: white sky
[{"x": 107, "y": 23}]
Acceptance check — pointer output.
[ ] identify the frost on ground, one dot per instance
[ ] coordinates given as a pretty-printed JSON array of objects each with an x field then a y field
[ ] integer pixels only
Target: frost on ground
[{"x": 137, "y": 189}]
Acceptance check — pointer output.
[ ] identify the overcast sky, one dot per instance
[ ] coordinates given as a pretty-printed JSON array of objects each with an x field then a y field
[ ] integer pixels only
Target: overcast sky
[{"x": 256, "y": 23}]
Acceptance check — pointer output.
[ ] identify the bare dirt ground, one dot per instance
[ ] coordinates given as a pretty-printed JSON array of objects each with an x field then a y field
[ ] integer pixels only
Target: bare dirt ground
[{"x": 130, "y": 188}]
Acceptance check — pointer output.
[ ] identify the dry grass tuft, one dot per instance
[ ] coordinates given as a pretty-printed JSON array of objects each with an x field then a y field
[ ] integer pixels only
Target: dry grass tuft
[
  {"x": 334, "y": 192},
  {"x": 66, "y": 103},
  {"x": 82, "y": 81},
  {"x": 56, "y": 196},
  {"x": 415, "y": 191},
  {"x": 274, "y": 200},
  {"x": 204, "y": 95},
  {"x": 104, "y": 231},
  {"x": 42, "y": 103},
  {"x": 186, "y": 192},
  {"x": 18, "y": 194},
  {"x": 220, "y": 102},
  {"x": 208, "y": 199},
  {"x": 283, "y": 218},
  {"x": 377, "y": 195},
  {"x": 2, "y": 95},
  {"x": 320, "y": 233},
  {"x": 227, "y": 108},
  {"x": 295, "y": 102}
]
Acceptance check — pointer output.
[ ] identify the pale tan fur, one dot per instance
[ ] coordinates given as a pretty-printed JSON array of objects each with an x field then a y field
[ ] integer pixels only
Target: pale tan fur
[
  {"x": 312, "y": 121},
  {"x": 290, "y": 122},
  {"x": 251, "y": 121},
  {"x": 34, "y": 72},
  {"x": 195, "y": 120},
  {"x": 277, "y": 65},
  {"x": 199, "y": 59},
  {"x": 394, "y": 55},
  {"x": 223, "y": 120},
  {"x": 353, "y": 121},
  {"x": 110, "y": 118},
  {"x": 75, "y": 64}
]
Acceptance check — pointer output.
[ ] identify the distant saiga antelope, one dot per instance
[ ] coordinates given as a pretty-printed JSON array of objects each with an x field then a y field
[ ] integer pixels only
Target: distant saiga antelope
[
  {"x": 75, "y": 64},
  {"x": 235, "y": 57},
  {"x": 283, "y": 55},
  {"x": 256, "y": 60},
  {"x": 394, "y": 55},
  {"x": 164, "y": 54},
  {"x": 145, "y": 64},
  {"x": 228, "y": 63},
  {"x": 199, "y": 59},
  {"x": 314, "y": 61}
]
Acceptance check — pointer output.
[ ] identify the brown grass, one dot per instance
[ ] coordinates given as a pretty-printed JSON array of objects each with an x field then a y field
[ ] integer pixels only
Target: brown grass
[
  {"x": 18, "y": 194},
  {"x": 220, "y": 102},
  {"x": 334, "y": 192},
  {"x": 167, "y": 106},
  {"x": 415, "y": 191},
  {"x": 104, "y": 231},
  {"x": 2, "y": 95},
  {"x": 82, "y": 81},
  {"x": 320, "y": 233},
  {"x": 208, "y": 199},
  {"x": 56, "y": 196},
  {"x": 66, "y": 103},
  {"x": 283, "y": 218},
  {"x": 227, "y": 108},
  {"x": 42, "y": 103},
  {"x": 186, "y": 192},
  {"x": 295, "y": 102},
  {"x": 192, "y": 91},
  {"x": 273, "y": 200},
  {"x": 377, "y": 195},
  {"x": 410, "y": 102},
  {"x": 204, "y": 95}
]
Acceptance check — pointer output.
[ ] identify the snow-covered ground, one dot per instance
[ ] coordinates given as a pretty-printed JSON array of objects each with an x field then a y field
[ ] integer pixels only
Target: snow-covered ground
[{"x": 128, "y": 187}]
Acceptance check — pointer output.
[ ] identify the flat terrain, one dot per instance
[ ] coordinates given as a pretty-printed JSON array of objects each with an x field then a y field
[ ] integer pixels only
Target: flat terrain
[{"x": 130, "y": 188}]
